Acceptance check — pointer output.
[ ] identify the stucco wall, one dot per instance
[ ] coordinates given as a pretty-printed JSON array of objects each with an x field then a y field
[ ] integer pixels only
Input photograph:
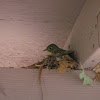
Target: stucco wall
[
  {"x": 28, "y": 26},
  {"x": 84, "y": 38}
]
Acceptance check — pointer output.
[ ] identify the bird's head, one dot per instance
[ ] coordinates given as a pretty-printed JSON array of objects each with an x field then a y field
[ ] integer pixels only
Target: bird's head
[{"x": 51, "y": 48}]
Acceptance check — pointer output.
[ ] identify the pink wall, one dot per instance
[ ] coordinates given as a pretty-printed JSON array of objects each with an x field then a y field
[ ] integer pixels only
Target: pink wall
[{"x": 28, "y": 26}]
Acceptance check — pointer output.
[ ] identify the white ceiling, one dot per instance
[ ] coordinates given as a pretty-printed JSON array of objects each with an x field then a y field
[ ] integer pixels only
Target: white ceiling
[{"x": 28, "y": 26}]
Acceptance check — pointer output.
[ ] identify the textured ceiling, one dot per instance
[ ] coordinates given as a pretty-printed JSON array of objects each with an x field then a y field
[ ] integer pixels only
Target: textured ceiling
[{"x": 28, "y": 26}]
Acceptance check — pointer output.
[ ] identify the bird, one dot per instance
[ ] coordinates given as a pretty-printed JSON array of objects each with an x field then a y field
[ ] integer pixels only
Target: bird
[{"x": 58, "y": 52}]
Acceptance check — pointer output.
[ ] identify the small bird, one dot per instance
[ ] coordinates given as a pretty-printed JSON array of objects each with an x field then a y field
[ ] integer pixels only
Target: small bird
[{"x": 58, "y": 52}]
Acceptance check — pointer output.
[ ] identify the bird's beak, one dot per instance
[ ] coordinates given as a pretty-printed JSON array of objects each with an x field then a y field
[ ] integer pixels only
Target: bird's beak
[{"x": 45, "y": 50}]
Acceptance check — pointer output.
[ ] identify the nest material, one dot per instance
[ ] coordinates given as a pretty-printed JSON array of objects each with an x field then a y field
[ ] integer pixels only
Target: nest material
[
  {"x": 51, "y": 62},
  {"x": 97, "y": 69},
  {"x": 97, "y": 72}
]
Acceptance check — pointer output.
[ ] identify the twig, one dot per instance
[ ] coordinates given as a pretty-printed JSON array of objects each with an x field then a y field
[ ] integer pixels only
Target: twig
[
  {"x": 40, "y": 74},
  {"x": 89, "y": 68}
]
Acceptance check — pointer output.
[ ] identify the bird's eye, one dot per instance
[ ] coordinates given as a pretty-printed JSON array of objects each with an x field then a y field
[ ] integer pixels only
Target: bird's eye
[{"x": 50, "y": 48}]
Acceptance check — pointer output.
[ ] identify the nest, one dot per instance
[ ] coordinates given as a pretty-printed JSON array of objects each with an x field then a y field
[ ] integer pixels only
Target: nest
[{"x": 52, "y": 62}]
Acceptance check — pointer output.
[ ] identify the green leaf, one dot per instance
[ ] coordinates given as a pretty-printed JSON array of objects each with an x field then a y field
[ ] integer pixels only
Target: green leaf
[
  {"x": 82, "y": 75},
  {"x": 87, "y": 81}
]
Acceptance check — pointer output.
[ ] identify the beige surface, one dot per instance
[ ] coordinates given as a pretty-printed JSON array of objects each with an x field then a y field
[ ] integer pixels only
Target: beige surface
[
  {"x": 22, "y": 84},
  {"x": 28, "y": 26},
  {"x": 85, "y": 35}
]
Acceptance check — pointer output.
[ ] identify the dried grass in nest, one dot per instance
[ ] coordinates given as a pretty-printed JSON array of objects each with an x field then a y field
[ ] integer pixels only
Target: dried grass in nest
[
  {"x": 97, "y": 72},
  {"x": 51, "y": 62},
  {"x": 66, "y": 66}
]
